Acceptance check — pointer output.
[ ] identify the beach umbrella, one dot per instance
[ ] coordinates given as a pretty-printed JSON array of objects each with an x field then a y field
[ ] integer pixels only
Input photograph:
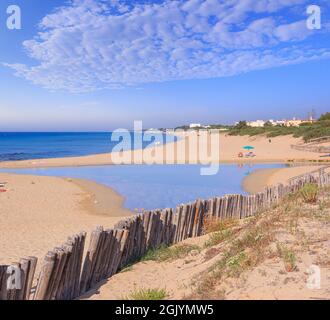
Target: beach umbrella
[{"x": 248, "y": 148}]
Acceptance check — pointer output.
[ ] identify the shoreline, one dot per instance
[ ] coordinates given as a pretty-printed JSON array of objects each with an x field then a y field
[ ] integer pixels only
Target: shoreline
[
  {"x": 258, "y": 180},
  {"x": 261, "y": 178},
  {"x": 278, "y": 151},
  {"x": 101, "y": 199}
]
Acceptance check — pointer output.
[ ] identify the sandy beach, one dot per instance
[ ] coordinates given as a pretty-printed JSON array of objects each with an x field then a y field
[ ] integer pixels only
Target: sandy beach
[
  {"x": 183, "y": 151},
  {"x": 39, "y": 213},
  {"x": 260, "y": 179}
]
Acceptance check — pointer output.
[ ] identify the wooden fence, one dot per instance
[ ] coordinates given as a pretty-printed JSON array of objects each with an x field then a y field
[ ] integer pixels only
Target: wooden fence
[
  {"x": 16, "y": 280},
  {"x": 312, "y": 146},
  {"x": 316, "y": 149},
  {"x": 66, "y": 274}
]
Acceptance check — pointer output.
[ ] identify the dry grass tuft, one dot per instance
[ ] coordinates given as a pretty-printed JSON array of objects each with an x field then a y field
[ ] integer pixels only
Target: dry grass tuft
[
  {"x": 164, "y": 253},
  {"x": 212, "y": 225}
]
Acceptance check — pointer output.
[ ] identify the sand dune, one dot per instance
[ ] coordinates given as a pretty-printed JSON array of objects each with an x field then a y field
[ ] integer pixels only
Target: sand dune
[{"x": 265, "y": 279}]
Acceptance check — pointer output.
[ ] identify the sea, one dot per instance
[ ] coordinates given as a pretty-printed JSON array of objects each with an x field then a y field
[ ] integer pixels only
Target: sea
[{"x": 25, "y": 146}]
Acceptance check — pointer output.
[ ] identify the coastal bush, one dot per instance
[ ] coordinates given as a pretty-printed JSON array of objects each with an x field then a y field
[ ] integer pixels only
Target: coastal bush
[
  {"x": 306, "y": 131},
  {"x": 219, "y": 231},
  {"x": 325, "y": 117},
  {"x": 288, "y": 256},
  {"x": 148, "y": 294},
  {"x": 235, "y": 265},
  {"x": 309, "y": 192},
  {"x": 253, "y": 238},
  {"x": 217, "y": 237}
]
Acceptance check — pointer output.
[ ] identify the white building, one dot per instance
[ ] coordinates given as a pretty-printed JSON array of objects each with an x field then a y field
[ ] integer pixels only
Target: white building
[
  {"x": 256, "y": 124},
  {"x": 288, "y": 123},
  {"x": 280, "y": 123},
  {"x": 195, "y": 125}
]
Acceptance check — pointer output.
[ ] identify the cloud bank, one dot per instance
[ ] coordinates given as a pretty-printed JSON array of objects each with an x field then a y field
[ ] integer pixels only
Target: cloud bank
[{"x": 88, "y": 45}]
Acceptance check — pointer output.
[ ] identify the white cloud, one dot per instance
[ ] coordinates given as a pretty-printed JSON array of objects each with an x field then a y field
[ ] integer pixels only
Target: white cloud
[
  {"x": 293, "y": 31},
  {"x": 89, "y": 45}
]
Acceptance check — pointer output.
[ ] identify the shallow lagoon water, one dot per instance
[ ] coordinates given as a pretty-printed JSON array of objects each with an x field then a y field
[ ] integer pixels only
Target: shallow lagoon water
[{"x": 159, "y": 186}]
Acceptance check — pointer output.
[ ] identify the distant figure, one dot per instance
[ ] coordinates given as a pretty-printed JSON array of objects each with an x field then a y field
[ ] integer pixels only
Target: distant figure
[{"x": 270, "y": 140}]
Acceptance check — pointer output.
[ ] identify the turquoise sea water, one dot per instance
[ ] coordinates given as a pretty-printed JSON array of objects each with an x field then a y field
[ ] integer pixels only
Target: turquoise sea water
[
  {"x": 24, "y": 146},
  {"x": 159, "y": 186}
]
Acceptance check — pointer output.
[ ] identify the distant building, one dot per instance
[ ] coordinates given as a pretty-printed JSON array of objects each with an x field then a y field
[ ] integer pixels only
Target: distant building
[
  {"x": 287, "y": 123},
  {"x": 279, "y": 123},
  {"x": 293, "y": 123},
  {"x": 195, "y": 125},
  {"x": 256, "y": 124},
  {"x": 297, "y": 122}
]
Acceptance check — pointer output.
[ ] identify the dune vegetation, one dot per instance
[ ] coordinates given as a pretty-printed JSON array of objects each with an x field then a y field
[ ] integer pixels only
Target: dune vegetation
[{"x": 307, "y": 131}]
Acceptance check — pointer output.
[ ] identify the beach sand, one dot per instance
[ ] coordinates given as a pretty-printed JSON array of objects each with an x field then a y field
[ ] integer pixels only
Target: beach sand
[
  {"x": 39, "y": 213},
  {"x": 279, "y": 150},
  {"x": 259, "y": 179}
]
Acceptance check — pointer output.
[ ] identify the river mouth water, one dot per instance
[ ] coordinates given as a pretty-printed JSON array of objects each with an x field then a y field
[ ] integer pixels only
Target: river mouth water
[{"x": 158, "y": 186}]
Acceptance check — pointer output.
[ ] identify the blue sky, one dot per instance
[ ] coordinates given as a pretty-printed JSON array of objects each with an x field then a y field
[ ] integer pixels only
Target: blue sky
[{"x": 87, "y": 65}]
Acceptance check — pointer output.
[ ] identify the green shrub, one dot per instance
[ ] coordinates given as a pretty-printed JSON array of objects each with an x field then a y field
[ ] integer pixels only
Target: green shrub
[
  {"x": 148, "y": 294},
  {"x": 288, "y": 256},
  {"x": 235, "y": 265},
  {"x": 309, "y": 192},
  {"x": 325, "y": 117},
  {"x": 306, "y": 131},
  {"x": 217, "y": 237}
]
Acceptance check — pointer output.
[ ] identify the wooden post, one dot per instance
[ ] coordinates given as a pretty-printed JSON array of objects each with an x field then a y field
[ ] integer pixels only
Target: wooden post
[
  {"x": 118, "y": 236},
  {"x": 90, "y": 260},
  {"x": 29, "y": 281},
  {"x": 58, "y": 273},
  {"x": 42, "y": 290},
  {"x": 28, "y": 266},
  {"x": 3, "y": 282},
  {"x": 123, "y": 245},
  {"x": 146, "y": 228},
  {"x": 177, "y": 219}
]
